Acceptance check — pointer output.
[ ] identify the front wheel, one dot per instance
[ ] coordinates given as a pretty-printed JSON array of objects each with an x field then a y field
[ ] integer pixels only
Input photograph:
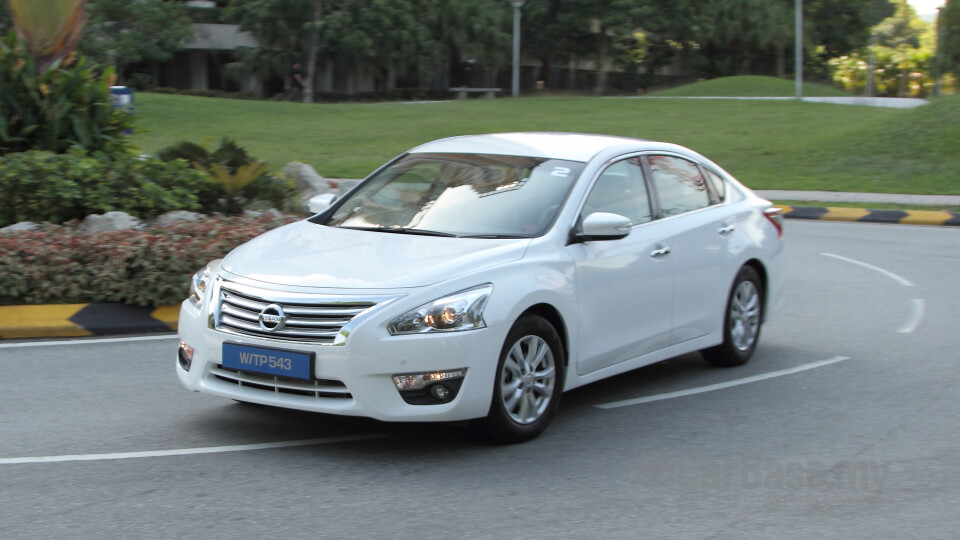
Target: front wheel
[
  {"x": 528, "y": 384},
  {"x": 741, "y": 324}
]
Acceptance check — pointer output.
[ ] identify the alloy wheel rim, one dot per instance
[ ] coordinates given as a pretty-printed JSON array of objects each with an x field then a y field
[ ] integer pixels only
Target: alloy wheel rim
[
  {"x": 745, "y": 316},
  {"x": 528, "y": 379}
]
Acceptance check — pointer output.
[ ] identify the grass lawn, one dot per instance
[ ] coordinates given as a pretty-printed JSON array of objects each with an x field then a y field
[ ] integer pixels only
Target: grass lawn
[
  {"x": 766, "y": 144},
  {"x": 749, "y": 86}
]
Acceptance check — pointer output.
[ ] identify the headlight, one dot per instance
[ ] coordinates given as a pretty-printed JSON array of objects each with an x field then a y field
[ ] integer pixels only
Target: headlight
[
  {"x": 460, "y": 311},
  {"x": 199, "y": 281}
]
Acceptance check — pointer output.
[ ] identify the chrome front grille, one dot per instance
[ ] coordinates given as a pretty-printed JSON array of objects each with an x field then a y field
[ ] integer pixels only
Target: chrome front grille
[
  {"x": 306, "y": 321},
  {"x": 317, "y": 388}
]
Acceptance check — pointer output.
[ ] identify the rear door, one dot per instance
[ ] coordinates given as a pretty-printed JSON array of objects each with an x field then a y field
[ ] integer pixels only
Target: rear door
[{"x": 700, "y": 229}]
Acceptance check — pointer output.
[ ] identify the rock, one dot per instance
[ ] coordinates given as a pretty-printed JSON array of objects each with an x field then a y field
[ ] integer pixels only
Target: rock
[
  {"x": 306, "y": 179},
  {"x": 307, "y": 182},
  {"x": 22, "y": 226},
  {"x": 345, "y": 185},
  {"x": 111, "y": 221},
  {"x": 270, "y": 213},
  {"x": 177, "y": 216}
]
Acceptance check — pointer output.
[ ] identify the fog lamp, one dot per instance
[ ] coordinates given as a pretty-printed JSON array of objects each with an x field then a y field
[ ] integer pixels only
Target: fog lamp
[
  {"x": 431, "y": 388},
  {"x": 439, "y": 392},
  {"x": 418, "y": 381},
  {"x": 185, "y": 355}
]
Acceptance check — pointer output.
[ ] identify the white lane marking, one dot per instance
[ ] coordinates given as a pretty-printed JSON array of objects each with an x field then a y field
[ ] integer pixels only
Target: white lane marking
[
  {"x": 720, "y": 386},
  {"x": 188, "y": 451},
  {"x": 85, "y": 341},
  {"x": 915, "y": 317},
  {"x": 887, "y": 273}
]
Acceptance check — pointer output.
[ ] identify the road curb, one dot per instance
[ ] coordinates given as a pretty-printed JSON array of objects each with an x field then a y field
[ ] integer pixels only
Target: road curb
[
  {"x": 76, "y": 320},
  {"x": 864, "y": 215}
]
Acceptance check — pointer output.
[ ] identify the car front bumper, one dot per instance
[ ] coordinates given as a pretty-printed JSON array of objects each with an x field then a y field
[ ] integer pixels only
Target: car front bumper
[{"x": 353, "y": 378}]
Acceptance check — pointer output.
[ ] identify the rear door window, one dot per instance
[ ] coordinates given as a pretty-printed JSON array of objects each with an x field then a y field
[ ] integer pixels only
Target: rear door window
[{"x": 679, "y": 185}]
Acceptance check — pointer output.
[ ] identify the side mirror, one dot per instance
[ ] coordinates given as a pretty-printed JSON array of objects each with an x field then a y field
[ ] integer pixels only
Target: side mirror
[
  {"x": 319, "y": 203},
  {"x": 603, "y": 226}
]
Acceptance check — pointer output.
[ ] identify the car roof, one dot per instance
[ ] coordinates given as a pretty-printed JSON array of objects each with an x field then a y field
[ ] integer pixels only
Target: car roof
[{"x": 568, "y": 146}]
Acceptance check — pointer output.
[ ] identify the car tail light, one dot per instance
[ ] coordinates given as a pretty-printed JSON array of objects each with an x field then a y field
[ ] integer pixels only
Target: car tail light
[{"x": 775, "y": 216}]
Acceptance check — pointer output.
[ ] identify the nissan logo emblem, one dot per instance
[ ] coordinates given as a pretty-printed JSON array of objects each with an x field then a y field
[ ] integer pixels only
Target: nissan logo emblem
[{"x": 272, "y": 318}]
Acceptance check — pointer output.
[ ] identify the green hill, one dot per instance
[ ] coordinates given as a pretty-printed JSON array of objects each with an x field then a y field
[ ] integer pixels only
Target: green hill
[
  {"x": 748, "y": 86},
  {"x": 905, "y": 151}
]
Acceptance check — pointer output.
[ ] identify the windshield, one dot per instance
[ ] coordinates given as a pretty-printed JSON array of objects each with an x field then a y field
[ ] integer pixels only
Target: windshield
[{"x": 461, "y": 195}]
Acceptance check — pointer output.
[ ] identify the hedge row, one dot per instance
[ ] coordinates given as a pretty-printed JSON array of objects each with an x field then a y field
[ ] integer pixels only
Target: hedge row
[
  {"x": 396, "y": 94},
  {"x": 43, "y": 186},
  {"x": 149, "y": 267}
]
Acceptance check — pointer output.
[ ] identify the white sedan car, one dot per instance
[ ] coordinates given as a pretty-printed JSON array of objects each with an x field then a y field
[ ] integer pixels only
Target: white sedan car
[{"x": 479, "y": 277}]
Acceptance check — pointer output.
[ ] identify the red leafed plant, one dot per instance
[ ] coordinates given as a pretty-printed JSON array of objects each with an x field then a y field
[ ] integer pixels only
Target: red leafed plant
[{"x": 150, "y": 267}]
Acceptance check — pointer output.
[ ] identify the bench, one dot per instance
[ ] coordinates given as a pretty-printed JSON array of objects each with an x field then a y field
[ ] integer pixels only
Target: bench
[{"x": 462, "y": 92}]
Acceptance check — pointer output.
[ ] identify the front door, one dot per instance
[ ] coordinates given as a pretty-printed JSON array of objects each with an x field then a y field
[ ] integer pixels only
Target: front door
[{"x": 624, "y": 286}]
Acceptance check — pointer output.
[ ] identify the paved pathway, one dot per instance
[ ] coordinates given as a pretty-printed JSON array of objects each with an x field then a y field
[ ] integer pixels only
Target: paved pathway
[{"x": 836, "y": 196}]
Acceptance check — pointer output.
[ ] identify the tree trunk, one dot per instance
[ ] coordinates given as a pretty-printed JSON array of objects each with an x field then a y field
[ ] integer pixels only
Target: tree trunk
[
  {"x": 312, "y": 45},
  {"x": 548, "y": 78},
  {"x": 602, "y": 51}
]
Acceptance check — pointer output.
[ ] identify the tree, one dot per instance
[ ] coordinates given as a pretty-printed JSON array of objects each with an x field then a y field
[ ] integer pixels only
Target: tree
[
  {"x": 554, "y": 33},
  {"x": 950, "y": 37},
  {"x": 383, "y": 35},
  {"x": 121, "y": 32},
  {"x": 613, "y": 23},
  {"x": 457, "y": 31},
  {"x": 903, "y": 57},
  {"x": 282, "y": 29}
]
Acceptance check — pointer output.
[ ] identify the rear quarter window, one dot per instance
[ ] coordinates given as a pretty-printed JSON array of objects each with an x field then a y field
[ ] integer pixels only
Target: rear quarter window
[{"x": 717, "y": 185}]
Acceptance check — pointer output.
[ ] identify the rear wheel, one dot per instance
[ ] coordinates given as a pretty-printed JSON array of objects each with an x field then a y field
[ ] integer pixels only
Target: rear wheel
[
  {"x": 529, "y": 382},
  {"x": 741, "y": 325}
]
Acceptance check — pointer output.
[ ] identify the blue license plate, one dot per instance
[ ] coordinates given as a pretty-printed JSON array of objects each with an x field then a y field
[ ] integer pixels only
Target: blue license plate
[{"x": 294, "y": 364}]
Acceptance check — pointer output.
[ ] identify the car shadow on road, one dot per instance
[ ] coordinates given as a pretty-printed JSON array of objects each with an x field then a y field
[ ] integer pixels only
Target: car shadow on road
[{"x": 237, "y": 422}]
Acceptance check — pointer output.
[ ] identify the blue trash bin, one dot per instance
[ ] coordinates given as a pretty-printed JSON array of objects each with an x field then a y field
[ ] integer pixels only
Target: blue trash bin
[{"x": 121, "y": 98}]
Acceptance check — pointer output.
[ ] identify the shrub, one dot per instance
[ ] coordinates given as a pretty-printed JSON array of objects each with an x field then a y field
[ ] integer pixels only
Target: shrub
[
  {"x": 66, "y": 106},
  {"x": 396, "y": 94},
  {"x": 150, "y": 267},
  {"x": 43, "y": 186},
  {"x": 238, "y": 180}
]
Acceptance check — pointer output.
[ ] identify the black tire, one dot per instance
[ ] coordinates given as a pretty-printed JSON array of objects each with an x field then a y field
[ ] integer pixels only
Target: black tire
[
  {"x": 741, "y": 321},
  {"x": 517, "y": 422}
]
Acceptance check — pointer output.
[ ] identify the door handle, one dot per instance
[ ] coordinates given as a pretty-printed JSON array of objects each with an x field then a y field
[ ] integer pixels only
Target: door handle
[
  {"x": 660, "y": 252},
  {"x": 727, "y": 229}
]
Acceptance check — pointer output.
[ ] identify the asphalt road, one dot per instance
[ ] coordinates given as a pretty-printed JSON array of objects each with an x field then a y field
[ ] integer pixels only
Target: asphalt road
[{"x": 844, "y": 425}]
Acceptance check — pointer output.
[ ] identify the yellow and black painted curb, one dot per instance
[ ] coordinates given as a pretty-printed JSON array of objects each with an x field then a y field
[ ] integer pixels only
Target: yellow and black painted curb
[
  {"x": 74, "y": 320},
  {"x": 863, "y": 215}
]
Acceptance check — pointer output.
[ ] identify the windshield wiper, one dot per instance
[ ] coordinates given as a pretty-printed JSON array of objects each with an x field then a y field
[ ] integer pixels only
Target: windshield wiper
[
  {"x": 402, "y": 230},
  {"x": 494, "y": 236}
]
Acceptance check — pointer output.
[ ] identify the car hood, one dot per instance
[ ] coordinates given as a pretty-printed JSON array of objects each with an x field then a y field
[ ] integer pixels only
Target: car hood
[{"x": 304, "y": 254}]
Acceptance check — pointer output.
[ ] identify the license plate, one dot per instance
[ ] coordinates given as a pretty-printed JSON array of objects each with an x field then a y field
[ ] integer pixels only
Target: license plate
[{"x": 284, "y": 363}]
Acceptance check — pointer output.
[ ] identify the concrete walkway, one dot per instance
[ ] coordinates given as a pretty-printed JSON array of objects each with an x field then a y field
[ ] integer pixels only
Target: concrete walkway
[
  {"x": 836, "y": 196},
  {"x": 889, "y": 103}
]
